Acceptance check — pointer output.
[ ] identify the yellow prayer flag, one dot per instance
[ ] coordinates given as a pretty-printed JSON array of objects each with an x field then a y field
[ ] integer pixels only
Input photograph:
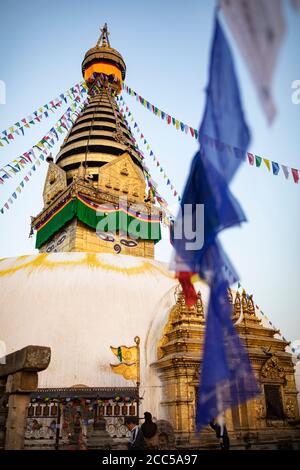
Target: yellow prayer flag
[
  {"x": 128, "y": 371},
  {"x": 177, "y": 124},
  {"x": 267, "y": 163}
]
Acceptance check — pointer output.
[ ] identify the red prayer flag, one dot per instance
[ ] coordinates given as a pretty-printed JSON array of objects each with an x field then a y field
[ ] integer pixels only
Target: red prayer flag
[
  {"x": 192, "y": 131},
  {"x": 250, "y": 158},
  {"x": 188, "y": 288},
  {"x": 295, "y": 174}
]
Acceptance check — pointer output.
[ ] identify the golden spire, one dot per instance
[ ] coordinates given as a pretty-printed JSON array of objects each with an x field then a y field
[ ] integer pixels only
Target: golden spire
[
  {"x": 244, "y": 302},
  {"x": 237, "y": 306},
  {"x": 251, "y": 308},
  {"x": 104, "y": 66},
  {"x": 103, "y": 37}
]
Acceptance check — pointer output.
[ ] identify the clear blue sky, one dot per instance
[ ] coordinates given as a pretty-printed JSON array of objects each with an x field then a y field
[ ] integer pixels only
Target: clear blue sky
[{"x": 166, "y": 48}]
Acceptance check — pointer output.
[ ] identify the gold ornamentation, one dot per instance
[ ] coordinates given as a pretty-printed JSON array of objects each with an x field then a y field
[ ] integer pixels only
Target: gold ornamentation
[
  {"x": 123, "y": 173},
  {"x": 56, "y": 183},
  {"x": 260, "y": 409},
  {"x": 290, "y": 410},
  {"x": 129, "y": 357},
  {"x": 251, "y": 308},
  {"x": 272, "y": 371},
  {"x": 237, "y": 306}
]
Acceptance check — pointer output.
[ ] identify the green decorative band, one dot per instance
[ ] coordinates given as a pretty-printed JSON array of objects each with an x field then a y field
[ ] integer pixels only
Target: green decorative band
[
  {"x": 56, "y": 222},
  {"x": 113, "y": 221}
]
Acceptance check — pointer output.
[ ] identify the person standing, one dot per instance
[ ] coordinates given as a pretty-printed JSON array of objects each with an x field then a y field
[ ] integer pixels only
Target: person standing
[
  {"x": 149, "y": 430},
  {"x": 136, "y": 441},
  {"x": 219, "y": 426}
]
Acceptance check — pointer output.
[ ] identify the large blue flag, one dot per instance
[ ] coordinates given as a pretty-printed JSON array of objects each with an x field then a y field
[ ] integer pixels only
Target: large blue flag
[{"x": 226, "y": 375}]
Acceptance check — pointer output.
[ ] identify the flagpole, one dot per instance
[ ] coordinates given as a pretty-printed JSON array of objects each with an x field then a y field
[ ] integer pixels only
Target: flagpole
[{"x": 137, "y": 341}]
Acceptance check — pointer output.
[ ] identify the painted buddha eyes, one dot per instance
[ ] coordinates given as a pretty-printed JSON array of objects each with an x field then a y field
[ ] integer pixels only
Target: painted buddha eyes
[
  {"x": 61, "y": 239},
  {"x": 56, "y": 242},
  {"x": 50, "y": 248},
  {"x": 109, "y": 237},
  {"x": 129, "y": 243}
]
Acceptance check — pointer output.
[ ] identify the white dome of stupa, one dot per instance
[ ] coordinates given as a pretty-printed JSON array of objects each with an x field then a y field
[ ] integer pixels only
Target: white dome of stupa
[{"x": 80, "y": 304}]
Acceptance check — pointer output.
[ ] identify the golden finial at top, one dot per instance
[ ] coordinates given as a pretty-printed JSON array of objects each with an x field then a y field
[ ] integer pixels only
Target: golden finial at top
[{"x": 103, "y": 40}]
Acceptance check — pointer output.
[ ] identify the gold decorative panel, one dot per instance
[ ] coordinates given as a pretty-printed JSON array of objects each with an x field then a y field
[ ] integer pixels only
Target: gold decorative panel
[
  {"x": 56, "y": 183},
  {"x": 122, "y": 177}
]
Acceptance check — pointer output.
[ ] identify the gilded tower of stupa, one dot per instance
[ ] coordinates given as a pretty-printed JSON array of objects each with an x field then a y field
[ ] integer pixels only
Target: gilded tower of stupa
[{"x": 98, "y": 174}]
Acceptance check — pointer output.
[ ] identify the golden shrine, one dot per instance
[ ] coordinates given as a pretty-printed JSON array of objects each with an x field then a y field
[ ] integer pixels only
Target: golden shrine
[
  {"x": 93, "y": 287},
  {"x": 99, "y": 162}
]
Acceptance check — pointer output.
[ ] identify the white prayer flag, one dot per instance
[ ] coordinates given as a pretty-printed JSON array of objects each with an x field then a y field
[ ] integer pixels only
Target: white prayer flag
[{"x": 258, "y": 27}]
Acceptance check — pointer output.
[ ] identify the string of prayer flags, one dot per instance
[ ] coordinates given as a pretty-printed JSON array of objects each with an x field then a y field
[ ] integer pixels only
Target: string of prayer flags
[
  {"x": 263, "y": 314},
  {"x": 43, "y": 146},
  {"x": 125, "y": 112},
  {"x": 21, "y": 185},
  {"x": 167, "y": 216},
  {"x": 75, "y": 93},
  {"x": 47, "y": 142},
  {"x": 253, "y": 160},
  {"x": 162, "y": 114}
]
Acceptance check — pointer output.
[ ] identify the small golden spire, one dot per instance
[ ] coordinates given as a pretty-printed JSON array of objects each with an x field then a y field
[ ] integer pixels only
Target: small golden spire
[
  {"x": 229, "y": 293},
  {"x": 237, "y": 306},
  {"x": 251, "y": 308},
  {"x": 244, "y": 302},
  {"x": 199, "y": 305},
  {"x": 103, "y": 41}
]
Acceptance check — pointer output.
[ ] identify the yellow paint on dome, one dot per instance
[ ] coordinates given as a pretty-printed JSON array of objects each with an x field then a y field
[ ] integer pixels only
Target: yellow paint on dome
[{"x": 92, "y": 260}]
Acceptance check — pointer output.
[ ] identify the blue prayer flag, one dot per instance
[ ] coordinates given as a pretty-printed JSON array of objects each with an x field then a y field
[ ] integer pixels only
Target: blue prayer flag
[
  {"x": 275, "y": 168},
  {"x": 226, "y": 376}
]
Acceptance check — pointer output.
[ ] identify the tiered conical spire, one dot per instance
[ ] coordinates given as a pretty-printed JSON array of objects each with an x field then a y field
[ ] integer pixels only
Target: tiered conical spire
[
  {"x": 99, "y": 136},
  {"x": 98, "y": 174}
]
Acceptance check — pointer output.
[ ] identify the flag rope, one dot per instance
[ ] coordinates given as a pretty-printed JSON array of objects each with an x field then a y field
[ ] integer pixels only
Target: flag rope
[
  {"x": 127, "y": 114},
  {"x": 252, "y": 159},
  {"x": 262, "y": 313},
  {"x": 17, "y": 129},
  {"x": 45, "y": 150},
  {"x": 15, "y": 166}
]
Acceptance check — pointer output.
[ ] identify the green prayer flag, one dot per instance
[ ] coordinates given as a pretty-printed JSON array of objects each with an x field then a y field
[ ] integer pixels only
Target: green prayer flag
[{"x": 257, "y": 161}]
